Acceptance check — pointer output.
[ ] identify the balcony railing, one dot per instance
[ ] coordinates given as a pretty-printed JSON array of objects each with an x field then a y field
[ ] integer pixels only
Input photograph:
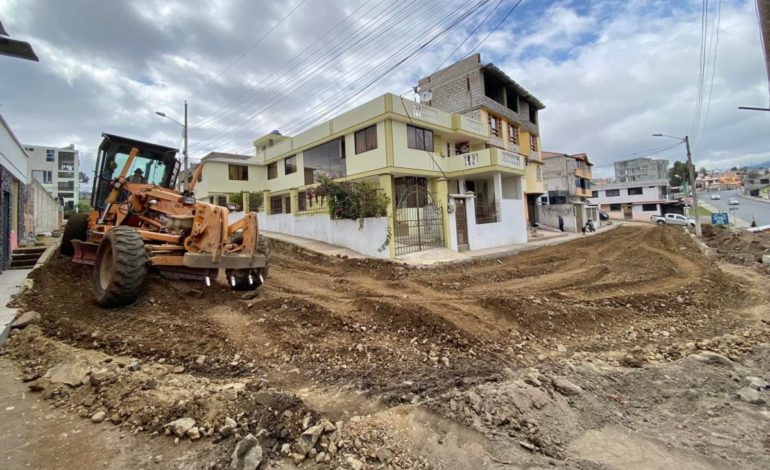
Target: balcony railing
[
  {"x": 472, "y": 125},
  {"x": 511, "y": 160},
  {"x": 583, "y": 173}
]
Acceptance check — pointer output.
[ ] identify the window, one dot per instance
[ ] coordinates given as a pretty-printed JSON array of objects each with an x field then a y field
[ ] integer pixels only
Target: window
[
  {"x": 276, "y": 205},
  {"x": 594, "y": 193},
  {"x": 66, "y": 185},
  {"x": 366, "y": 139},
  {"x": 325, "y": 160},
  {"x": 462, "y": 147},
  {"x": 532, "y": 114},
  {"x": 66, "y": 161},
  {"x": 634, "y": 191},
  {"x": 614, "y": 207},
  {"x": 221, "y": 201},
  {"x": 513, "y": 134},
  {"x": 272, "y": 171},
  {"x": 238, "y": 172},
  {"x": 290, "y": 165},
  {"x": 50, "y": 155},
  {"x": 419, "y": 139},
  {"x": 649, "y": 207},
  {"x": 29, "y": 149},
  {"x": 66, "y": 175},
  {"x": 612, "y": 193},
  {"x": 43, "y": 176},
  {"x": 533, "y": 142},
  {"x": 538, "y": 173},
  {"x": 494, "y": 125}
]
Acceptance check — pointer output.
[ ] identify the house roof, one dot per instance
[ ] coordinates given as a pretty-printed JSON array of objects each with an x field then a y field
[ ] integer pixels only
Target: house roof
[
  {"x": 229, "y": 158},
  {"x": 576, "y": 156},
  {"x": 520, "y": 89}
]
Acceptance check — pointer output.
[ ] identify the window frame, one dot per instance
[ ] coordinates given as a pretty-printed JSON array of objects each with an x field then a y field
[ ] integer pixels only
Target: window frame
[
  {"x": 272, "y": 170},
  {"x": 513, "y": 134},
  {"x": 242, "y": 172},
  {"x": 646, "y": 208},
  {"x": 533, "y": 142},
  {"x": 615, "y": 193},
  {"x": 290, "y": 167},
  {"x": 369, "y": 139},
  {"x": 635, "y": 189},
  {"x": 618, "y": 205},
  {"x": 413, "y": 142}
]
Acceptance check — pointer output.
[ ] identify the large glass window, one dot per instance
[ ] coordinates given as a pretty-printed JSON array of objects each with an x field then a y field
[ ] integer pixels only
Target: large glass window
[
  {"x": 419, "y": 139},
  {"x": 238, "y": 172},
  {"x": 50, "y": 155},
  {"x": 67, "y": 161},
  {"x": 143, "y": 169},
  {"x": 366, "y": 139},
  {"x": 272, "y": 171},
  {"x": 325, "y": 160},
  {"x": 612, "y": 193}
]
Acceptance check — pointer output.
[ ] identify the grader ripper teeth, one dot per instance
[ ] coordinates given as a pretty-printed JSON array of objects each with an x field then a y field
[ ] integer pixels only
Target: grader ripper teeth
[{"x": 141, "y": 222}]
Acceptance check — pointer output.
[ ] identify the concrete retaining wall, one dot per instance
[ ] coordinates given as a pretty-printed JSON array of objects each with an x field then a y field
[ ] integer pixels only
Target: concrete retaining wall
[{"x": 42, "y": 213}]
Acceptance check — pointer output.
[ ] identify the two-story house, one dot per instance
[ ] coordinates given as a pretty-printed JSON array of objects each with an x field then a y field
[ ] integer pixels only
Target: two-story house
[
  {"x": 567, "y": 180},
  {"x": 447, "y": 187},
  {"x": 226, "y": 174},
  {"x": 484, "y": 92}
]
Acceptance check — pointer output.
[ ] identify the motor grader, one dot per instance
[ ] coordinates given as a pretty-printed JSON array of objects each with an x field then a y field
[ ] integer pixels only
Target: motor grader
[{"x": 141, "y": 222}]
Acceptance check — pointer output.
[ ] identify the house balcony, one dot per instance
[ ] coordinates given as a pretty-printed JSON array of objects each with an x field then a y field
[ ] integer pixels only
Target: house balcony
[
  {"x": 583, "y": 173},
  {"x": 583, "y": 192},
  {"x": 488, "y": 158}
]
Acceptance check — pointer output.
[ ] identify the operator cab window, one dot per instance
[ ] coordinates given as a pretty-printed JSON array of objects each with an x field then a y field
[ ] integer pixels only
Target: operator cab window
[{"x": 144, "y": 170}]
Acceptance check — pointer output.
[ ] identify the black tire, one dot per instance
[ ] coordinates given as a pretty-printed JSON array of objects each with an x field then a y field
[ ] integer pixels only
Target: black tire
[
  {"x": 660, "y": 222},
  {"x": 264, "y": 248},
  {"x": 121, "y": 264},
  {"x": 76, "y": 228}
]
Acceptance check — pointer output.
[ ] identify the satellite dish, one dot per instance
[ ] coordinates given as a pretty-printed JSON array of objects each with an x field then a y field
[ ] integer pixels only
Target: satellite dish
[{"x": 425, "y": 96}]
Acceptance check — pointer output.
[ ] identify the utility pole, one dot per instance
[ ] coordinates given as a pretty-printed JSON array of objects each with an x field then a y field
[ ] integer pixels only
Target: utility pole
[
  {"x": 186, "y": 164},
  {"x": 691, "y": 171}
]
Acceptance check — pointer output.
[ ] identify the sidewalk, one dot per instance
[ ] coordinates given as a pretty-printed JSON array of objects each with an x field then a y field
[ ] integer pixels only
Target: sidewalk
[
  {"x": 12, "y": 281},
  {"x": 734, "y": 221},
  {"x": 754, "y": 198},
  {"x": 440, "y": 255}
]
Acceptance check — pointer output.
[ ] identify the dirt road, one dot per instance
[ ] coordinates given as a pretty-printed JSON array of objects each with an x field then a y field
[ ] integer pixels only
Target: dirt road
[{"x": 457, "y": 363}]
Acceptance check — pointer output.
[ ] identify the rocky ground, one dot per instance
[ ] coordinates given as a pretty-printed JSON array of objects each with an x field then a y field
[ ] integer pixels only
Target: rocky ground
[{"x": 627, "y": 349}]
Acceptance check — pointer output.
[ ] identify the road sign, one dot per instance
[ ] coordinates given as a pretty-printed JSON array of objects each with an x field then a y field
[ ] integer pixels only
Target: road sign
[{"x": 719, "y": 218}]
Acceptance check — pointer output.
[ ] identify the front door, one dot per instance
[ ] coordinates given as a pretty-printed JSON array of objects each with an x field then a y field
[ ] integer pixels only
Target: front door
[
  {"x": 461, "y": 218},
  {"x": 627, "y": 212}
]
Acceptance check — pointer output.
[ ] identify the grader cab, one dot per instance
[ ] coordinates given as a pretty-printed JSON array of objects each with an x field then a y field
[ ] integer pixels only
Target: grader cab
[{"x": 140, "y": 221}]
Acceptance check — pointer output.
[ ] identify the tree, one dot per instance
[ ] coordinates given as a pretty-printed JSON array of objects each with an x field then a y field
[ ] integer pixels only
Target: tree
[
  {"x": 680, "y": 173},
  {"x": 703, "y": 171},
  {"x": 83, "y": 177},
  {"x": 735, "y": 168}
]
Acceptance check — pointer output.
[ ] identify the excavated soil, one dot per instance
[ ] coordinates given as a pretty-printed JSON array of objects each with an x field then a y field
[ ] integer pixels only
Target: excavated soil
[
  {"x": 434, "y": 365},
  {"x": 739, "y": 247}
]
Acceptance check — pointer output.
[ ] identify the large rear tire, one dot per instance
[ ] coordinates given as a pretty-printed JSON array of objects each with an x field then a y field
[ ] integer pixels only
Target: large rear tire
[
  {"x": 76, "y": 229},
  {"x": 121, "y": 264}
]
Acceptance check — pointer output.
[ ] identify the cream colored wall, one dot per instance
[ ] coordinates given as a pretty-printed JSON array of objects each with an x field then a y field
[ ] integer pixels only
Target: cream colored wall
[
  {"x": 362, "y": 113},
  {"x": 216, "y": 180},
  {"x": 366, "y": 161},
  {"x": 531, "y": 184},
  {"x": 284, "y": 181},
  {"x": 404, "y": 157}
]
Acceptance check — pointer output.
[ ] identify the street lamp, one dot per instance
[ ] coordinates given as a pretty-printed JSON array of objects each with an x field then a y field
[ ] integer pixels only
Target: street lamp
[
  {"x": 184, "y": 134},
  {"x": 690, "y": 170}
]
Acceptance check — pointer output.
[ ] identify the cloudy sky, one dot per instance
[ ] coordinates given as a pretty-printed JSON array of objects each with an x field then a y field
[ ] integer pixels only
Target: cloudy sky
[{"x": 610, "y": 72}]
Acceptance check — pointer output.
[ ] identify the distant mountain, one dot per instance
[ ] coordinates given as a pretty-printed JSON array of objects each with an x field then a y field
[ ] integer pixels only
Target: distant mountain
[{"x": 759, "y": 166}]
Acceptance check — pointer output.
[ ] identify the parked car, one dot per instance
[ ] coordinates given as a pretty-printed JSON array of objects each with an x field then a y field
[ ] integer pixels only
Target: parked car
[
  {"x": 734, "y": 202},
  {"x": 672, "y": 219},
  {"x": 716, "y": 197},
  {"x": 603, "y": 215}
]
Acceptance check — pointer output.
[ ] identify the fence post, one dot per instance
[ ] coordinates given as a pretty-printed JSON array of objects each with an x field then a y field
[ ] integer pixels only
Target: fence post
[
  {"x": 293, "y": 202},
  {"x": 245, "y": 202},
  {"x": 442, "y": 200}
]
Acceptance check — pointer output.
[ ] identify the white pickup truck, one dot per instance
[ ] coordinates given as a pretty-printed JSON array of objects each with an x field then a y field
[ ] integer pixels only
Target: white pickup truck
[{"x": 672, "y": 219}]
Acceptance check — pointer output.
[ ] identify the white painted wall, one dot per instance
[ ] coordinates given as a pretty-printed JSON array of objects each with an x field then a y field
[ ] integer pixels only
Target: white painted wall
[
  {"x": 12, "y": 155},
  {"x": 42, "y": 213},
  {"x": 344, "y": 233},
  {"x": 510, "y": 230},
  {"x": 549, "y": 215}
]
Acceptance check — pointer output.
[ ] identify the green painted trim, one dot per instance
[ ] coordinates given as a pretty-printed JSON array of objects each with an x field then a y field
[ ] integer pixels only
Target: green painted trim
[
  {"x": 388, "y": 103},
  {"x": 389, "y": 151}
]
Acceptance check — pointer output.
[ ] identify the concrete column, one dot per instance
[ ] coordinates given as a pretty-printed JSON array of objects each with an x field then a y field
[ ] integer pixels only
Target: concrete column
[
  {"x": 497, "y": 183},
  {"x": 461, "y": 181},
  {"x": 246, "y": 202},
  {"x": 442, "y": 200},
  {"x": 386, "y": 185},
  {"x": 293, "y": 202},
  {"x": 266, "y": 202}
]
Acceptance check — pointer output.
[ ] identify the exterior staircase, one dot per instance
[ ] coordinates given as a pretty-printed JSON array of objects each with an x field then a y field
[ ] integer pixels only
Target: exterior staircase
[{"x": 25, "y": 258}]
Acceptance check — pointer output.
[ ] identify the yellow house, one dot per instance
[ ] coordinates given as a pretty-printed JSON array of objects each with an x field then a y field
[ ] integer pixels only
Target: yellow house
[
  {"x": 226, "y": 174},
  {"x": 447, "y": 186}
]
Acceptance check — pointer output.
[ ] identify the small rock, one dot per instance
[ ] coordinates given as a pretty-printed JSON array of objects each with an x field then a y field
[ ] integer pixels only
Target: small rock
[
  {"x": 200, "y": 360},
  {"x": 99, "y": 376},
  {"x": 181, "y": 426},
  {"x": 228, "y": 428},
  {"x": 193, "y": 433},
  {"x": 158, "y": 459},
  {"x": 565, "y": 387},
  {"x": 445, "y": 361},
  {"x": 70, "y": 373},
  {"x": 134, "y": 366},
  {"x": 712, "y": 358},
  {"x": 384, "y": 455},
  {"x": 320, "y": 457},
  {"x": 297, "y": 458},
  {"x": 25, "y": 319},
  {"x": 561, "y": 348},
  {"x": 98, "y": 417},
  {"x": 750, "y": 395},
  {"x": 355, "y": 464},
  {"x": 247, "y": 454},
  {"x": 527, "y": 445},
  {"x": 286, "y": 449},
  {"x": 38, "y": 385}
]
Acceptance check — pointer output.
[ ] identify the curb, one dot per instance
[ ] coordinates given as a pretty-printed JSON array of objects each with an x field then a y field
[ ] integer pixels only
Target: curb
[
  {"x": 753, "y": 198},
  {"x": 27, "y": 283}
]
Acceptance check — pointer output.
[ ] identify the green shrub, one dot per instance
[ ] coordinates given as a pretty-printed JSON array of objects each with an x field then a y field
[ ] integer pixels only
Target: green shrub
[{"x": 354, "y": 201}]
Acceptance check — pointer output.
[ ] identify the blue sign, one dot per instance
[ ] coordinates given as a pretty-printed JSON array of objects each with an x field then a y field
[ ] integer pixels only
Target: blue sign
[{"x": 720, "y": 218}]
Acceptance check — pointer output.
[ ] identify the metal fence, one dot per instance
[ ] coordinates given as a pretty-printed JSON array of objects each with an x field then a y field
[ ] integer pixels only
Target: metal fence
[{"x": 486, "y": 212}]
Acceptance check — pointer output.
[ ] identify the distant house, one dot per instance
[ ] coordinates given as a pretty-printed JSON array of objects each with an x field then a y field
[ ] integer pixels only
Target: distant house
[
  {"x": 567, "y": 180},
  {"x": 227, "y": 174},
  {"x": 636, "y": 200}
]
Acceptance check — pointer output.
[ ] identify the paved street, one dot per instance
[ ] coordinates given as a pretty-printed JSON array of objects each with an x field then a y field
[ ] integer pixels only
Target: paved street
[{"x": 748, "y": 208}]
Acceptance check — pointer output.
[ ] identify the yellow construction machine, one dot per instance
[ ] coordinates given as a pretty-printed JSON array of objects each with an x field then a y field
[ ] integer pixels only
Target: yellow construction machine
[{"x": 140, "y": 222}]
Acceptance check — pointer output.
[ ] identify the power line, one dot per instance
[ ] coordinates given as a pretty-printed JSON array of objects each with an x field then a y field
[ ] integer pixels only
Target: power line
[
  {"x": 249, "y": 49},
  {"x": 715, "y": 42}
]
